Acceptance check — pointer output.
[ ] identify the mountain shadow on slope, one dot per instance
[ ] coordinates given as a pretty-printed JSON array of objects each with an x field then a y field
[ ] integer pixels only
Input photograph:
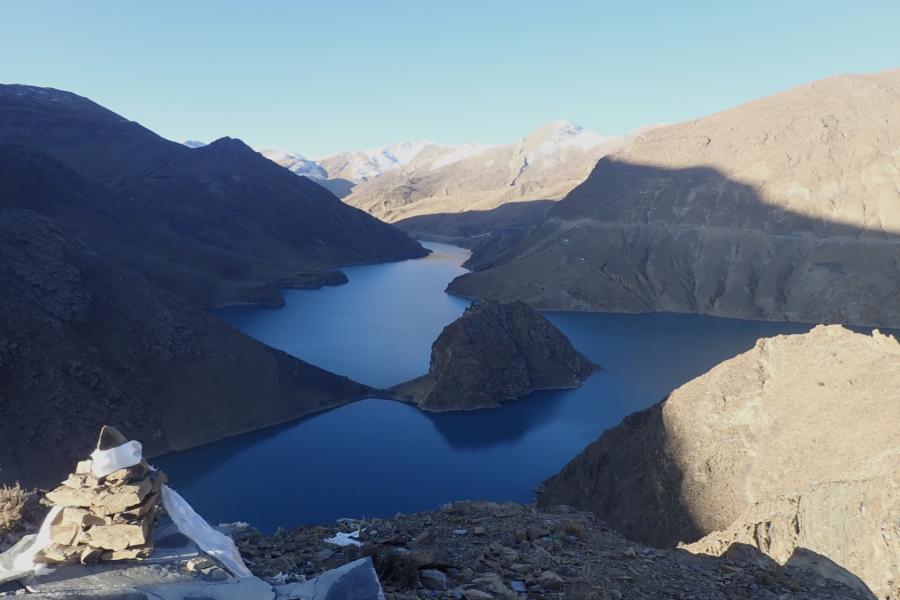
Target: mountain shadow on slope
[
  {"x": 639, "y": 238},
  {"x": 486, "y": 232}
]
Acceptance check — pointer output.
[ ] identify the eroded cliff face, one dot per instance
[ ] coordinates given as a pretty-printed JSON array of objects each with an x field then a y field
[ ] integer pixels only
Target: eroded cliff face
[
  {"x": 783, "y": 208},
  {"x": 496, "y": 352},
  {"x": 801, "y": 431}
]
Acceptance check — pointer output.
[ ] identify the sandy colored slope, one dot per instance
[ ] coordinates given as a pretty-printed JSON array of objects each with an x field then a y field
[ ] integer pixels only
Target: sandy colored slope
[{"x": 792, "y": 447}]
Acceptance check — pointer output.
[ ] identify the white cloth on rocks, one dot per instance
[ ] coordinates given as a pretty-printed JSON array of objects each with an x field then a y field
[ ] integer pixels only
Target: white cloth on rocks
[
  {"x": 18, "y": 561},
  {"x": 104, "y": 462},
  {"x": 218, "y": 545}
]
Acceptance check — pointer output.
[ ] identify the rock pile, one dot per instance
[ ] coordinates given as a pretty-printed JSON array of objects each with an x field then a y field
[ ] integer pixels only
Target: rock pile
[{"x": 107, "y": 518}]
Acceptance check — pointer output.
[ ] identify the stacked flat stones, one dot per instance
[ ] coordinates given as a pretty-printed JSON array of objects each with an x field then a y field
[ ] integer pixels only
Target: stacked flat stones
[{"x": 108, "y": 518}]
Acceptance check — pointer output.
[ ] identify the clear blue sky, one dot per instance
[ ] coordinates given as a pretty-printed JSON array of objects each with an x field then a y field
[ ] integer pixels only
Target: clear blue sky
[{"x": 319, "y": 77}]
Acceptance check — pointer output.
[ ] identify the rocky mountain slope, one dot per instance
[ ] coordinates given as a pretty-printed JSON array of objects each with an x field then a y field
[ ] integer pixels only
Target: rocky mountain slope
[
  {"x": 84, "y": 341},
  {"x": 492, "y": 353},
  {"x": 506, "y": 551},
  {"x": 783, "y": 208},
  {"x": 112, "y": 242},
  {"x": 542, "y": 166},
  {"x": 235, "y": 217},
  {"x": 791, "y": 448}
]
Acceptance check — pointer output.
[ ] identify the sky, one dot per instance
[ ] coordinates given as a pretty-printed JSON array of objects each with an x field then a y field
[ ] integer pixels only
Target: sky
[{"x": 327, "y": 76}]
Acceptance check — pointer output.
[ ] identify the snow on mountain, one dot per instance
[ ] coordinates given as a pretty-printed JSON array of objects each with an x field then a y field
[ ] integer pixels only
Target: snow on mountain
[
  {"x": 557, "y": 137},
  {"x": 555, "y": 142},
  {"x": 458, "y": 153},
  {"x": 193, "y": 144},
  {"x": 296, "y": 163},
  {"x": 362, "y": 165}
]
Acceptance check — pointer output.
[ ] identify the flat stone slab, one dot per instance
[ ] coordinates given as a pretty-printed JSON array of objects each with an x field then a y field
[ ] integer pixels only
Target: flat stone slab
[
  {"x": 353, "y": 581},
  {"x": 232, "y": 589}
]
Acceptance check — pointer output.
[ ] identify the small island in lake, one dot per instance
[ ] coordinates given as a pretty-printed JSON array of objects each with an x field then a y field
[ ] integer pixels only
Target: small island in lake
[{"x": 495, "y": 352}]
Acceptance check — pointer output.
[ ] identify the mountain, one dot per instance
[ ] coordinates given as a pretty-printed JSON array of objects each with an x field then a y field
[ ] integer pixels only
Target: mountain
[
  {"x": 478, "y": 195},
  {"x": 783, "y": 208},
  {"x": 296, "y": 164},
  {"x": 112, "y": 243},
  {"x": 790, "y": 448},
  {"x": 363, "y": 165},
  {"x": 220, "y": 214},
  {"x": 84, "y": 341},
  {"x": 544, "y": 165},
  {"x": 194, "y": 144}
]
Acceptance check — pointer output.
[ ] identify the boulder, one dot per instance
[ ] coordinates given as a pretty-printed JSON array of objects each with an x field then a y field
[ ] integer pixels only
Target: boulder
[{"x": 119, "y": 537}]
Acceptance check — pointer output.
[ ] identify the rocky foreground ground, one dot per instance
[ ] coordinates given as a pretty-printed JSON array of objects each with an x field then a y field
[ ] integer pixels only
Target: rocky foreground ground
[{"x": 483, "y": 550}]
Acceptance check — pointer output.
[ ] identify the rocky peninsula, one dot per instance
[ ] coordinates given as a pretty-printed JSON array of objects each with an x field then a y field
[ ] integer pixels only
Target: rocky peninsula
[{"x": 495, "y": 352}]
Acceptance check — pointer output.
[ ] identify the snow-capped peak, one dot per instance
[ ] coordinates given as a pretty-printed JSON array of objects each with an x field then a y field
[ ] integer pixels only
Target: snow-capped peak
[
  {"x": 368, "y": 164},
  {"x": 458, "y": 153},
  {"x": 193, "y": 143},
  {"x": 566, "y": 133},
  {"x": 296, "y": 163},
  {"x": 556, "y": 137}
]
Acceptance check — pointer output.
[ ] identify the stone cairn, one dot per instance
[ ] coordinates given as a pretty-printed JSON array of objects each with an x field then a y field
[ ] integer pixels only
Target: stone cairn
[{"x": 110, "y": 518}]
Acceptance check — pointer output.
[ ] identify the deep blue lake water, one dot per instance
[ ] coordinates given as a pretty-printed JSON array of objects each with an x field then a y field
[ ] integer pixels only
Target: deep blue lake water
[{"x": 377, "y": 457}]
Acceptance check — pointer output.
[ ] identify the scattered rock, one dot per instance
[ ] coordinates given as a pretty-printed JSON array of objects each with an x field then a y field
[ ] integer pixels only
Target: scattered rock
[
  {"x": 550, "y": 580},
  {"x": 533, "y": 533},
  {"x": 433, "y": 579},
  {"x": 597, "y": 563},
  {"x": 493, "y": 583}
]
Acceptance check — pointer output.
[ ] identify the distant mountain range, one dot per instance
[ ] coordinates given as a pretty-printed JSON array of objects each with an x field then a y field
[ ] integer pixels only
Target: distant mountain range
[
  {"x": 113, "y": 241},
  {"x": 786, "y": 207},
  {"x": 430, "y": 190}
]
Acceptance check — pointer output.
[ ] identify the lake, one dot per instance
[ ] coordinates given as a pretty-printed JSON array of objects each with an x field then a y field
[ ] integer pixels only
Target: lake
[{"x": 378, "y": 457}]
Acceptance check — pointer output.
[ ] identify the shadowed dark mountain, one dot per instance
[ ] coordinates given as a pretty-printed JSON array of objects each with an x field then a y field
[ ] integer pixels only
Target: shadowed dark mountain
[
  {"x": 112, "y": 242},
  {"x": 243, "y": 218},
  {"x": 85, "y": 342}
]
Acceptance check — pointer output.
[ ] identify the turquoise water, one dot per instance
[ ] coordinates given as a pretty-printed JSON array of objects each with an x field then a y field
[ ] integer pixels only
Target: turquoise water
[{"x": 377, "y": 457}]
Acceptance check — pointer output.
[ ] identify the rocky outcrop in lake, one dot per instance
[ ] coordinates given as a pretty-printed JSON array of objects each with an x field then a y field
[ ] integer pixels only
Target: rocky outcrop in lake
[
  {"x": 493, "y": 353},
  {"x": 784, "y": 208},
  {"x": 790, "y": 448}
]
